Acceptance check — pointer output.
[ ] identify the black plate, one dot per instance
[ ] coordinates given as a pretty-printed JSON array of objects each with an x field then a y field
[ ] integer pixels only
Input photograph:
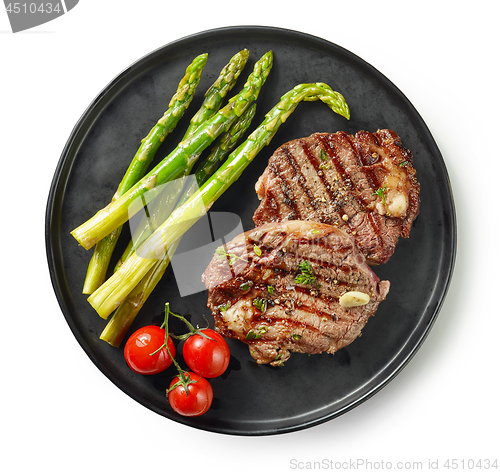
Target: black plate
[{"x": 252, "y": 399}]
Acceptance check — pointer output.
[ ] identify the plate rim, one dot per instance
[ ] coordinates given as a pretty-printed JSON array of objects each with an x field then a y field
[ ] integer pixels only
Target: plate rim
[{"x": 77, "y": 136}]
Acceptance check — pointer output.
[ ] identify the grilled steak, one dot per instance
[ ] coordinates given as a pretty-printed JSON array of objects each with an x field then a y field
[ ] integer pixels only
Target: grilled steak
[
  {"x": 365, "y": 184},
  {"x": 289, "y": 287}
]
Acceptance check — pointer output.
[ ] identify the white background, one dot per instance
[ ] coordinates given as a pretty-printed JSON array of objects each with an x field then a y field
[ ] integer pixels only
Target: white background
[{"x": 59, "y": 411}]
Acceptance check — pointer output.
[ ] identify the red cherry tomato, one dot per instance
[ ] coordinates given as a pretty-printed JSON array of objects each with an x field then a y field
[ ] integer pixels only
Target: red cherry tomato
[
  {"x": 141, "y": 344},
  {"x": 197, "y": 401},
  {"x": 209, "y": 357}
]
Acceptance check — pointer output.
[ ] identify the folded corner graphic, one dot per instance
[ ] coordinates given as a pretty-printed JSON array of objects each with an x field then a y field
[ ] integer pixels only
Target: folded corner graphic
[
  {"x": 70, "y": 4},
  {"x": 26, "y": 15},
  {"x": 202, "y": 232},
  {"x": 197, "y": 248}
]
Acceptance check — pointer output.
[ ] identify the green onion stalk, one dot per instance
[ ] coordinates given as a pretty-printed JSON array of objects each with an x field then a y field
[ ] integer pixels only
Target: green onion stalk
[
  {"x": 124, "y": 316},
  {"x": 123, "y": 208},
  {"x": 98, "y": 266},
  {"x": 109, "y": 296}
]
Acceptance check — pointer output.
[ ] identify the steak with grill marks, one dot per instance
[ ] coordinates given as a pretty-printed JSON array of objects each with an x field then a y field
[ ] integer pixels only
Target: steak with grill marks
[
  {"x": 289, "y": 286},
  {"x": 365, "y": 184}
]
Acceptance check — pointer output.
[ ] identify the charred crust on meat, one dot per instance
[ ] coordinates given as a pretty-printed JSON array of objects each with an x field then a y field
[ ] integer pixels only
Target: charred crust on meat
[
  {"x": 313, "y": 313},
  {"x": 326, "y": 183},
  {"x": 359, "y": 165}
]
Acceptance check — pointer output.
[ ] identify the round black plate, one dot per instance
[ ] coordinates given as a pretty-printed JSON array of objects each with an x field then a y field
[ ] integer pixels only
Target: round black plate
[{"x": 252, "y": 399}]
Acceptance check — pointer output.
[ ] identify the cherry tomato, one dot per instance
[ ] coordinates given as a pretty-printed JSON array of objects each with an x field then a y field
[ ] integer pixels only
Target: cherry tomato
[
  {"x": 141, "y": 344},
  {"x": 209, "y": 357},
  {"x": 197, "y": 402}
]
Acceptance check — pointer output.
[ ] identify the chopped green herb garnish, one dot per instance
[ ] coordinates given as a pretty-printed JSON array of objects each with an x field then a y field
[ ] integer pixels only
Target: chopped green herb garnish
[
  {"x": 257, "y": 250},
  {"x": 221, "y": 251},
  {"x": 257, "y": 333},
  {"x": 270, "y": 289},
  {"x": 306, "y": 275},
  {"x": 296, "y": 336},
  {"x": 323, "y": 155},
  {"x": 380, "y": 192},
  {"x": 224, "y": 307},
  {"x": 245, "y": 286},
  {"x": 403, "y": 163},
  {"x": 324, "y": 166},
  {"x": 261, "y": 304},
  {"x": 314, "y": 231},
  {"x": 251, "y": 335}
]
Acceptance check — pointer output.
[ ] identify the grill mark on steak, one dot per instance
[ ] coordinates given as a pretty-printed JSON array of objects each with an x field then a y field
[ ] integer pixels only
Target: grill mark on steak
[
  {"x": 376, "y": 230},
  {"x": 316, "y": 164},
  {"x": 311, "y": 181},
  {"x": 302, "y": 181},
  {"x": 321, "y": 280},
  {"x": 347, "y": 182},
  {"x": 363, "y": 161},
  {"x": 342, "y": 183},
  {"x": 341, "y": 250},
  {"x": 301, "y": 318},
  {"x": 288, "y": 199},
  {"x": 295, "y": 316},
  {"x": 332, "y": 154}
]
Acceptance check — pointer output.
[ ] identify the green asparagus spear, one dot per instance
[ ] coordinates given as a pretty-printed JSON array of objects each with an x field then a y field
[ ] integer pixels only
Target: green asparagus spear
[
  {"x": 218, "y": 91},
  {"x": 124, "y": 316},
  {"x": 116, "y": 288},
  {"x": 169, "y": 197},
  {"x": 156, "y": 214},
  {"x": 225, "y": 145},
  {"x": 122, "y": 319},
  {"x": 96, "y": 272},
  {"x": 119, "y": 211},
  {"x": 211, "y": 104}
]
